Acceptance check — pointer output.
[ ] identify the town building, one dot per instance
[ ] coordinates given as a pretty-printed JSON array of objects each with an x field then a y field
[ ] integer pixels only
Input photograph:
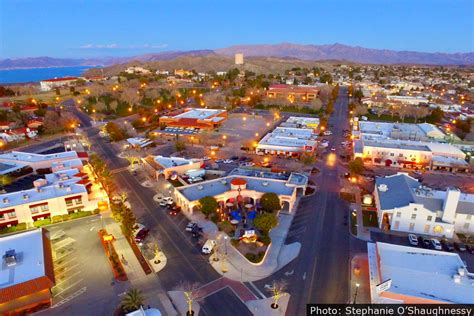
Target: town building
[
  {"x": 27, "y": 272},
  {"x": 246, "y": 186},
  {"x": 169, "y": 167},
  {"x": 59, "y": 193},
  {"x": 40, "y": 163},
  {"x": 183, "y": 72},
  {"x": 137, "y": 70},
  {"x": 239, "y": 59},
  {"x": 18, "y": 134},
  {"x": 411, "y": 154},
  {"x": 195, "y": 118},
  {"x": 407, "y": 99},
  {"x": 405, "y": 205},
  {"x": 408, "y": 275},
  {"x": 404, "y": 131},
  {"x": 293, "y": 92},
  {"x": 292, "y": 138},
  {"x": 50, "y": 84}
]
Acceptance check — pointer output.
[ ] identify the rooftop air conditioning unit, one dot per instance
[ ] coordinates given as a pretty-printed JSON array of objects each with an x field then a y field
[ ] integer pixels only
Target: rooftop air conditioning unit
[
  {"x": 25, "y": 197},
  {"x": 68, "y": 189},
  {"x": 6, "y": 200},
  {"x": 224, "y": 182},
  {"x": 383, "y": 187},
  {"x": 461, "y": 271},
  {"x": 10, "y": 258},
  {"x": 265, "y": 183},
  {"x": 457, "y": 278},
  {"x": 200, "y": 187}
]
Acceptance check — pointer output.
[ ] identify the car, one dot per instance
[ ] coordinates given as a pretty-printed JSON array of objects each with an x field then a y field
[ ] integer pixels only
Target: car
[
  {"x": 436, "y": 244},
  {"x": 227, "y": 161},
  {"x": 248, "y": 159},
  {"x": 242, "y": 158},
  {"x": 138, "y": 227},
  {"x": 174, "y": 210},
  {"x": 412, "y": 239},
  {"x": 470, "y": 249},
  {"x": 448, "y": 246},
  {"x": 247, "y": 164},
  {"x": 159, "y": 198},
  {"x": 141, "y": 235},
  {"x": 208, "y": 246},
  {"x": 333, "y": 148},
  {"x": 206, "y": 158},
  {"x": 460, "y": 246},
  {"x": 190, "y": 226},
  {"x": 327, "y": 133},
  {"x": 234, "y": 158},
  {"x": 425, "y": 242},
  {"x": 163, "y": 203},
  {"x": 220, "y": 160}
]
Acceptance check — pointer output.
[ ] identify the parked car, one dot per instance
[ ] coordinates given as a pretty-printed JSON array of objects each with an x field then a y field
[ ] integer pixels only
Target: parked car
[
  {"x": 163, "y": 203},
  {"x": 174, "y": 210},
  {"x": 206, "y": 158},
  {"x": 170, "y": 205},
  {"x": 470, "y": 249},
  {"x": 436, "y": 244},
  {"x": 412, "y": 239},
  {"x": 333, "y": 148},
  {"x": 138, "y": 227},
  {"x": 190, "y": 226},
  {"x": 168, "y": 199},
  {"x": 425, "y": 242},
  {"x": 219, "y": 160},
  {"x": 141, "y": 235},
  {"x": 327, "y": 133},
  {"x": 234, "y": 158},
  {"x": 227, "y": 161},
  {"x": 460, "y": 246},
  {"x": 208, "y": 246},
  {"x": 448, "y": 246}
]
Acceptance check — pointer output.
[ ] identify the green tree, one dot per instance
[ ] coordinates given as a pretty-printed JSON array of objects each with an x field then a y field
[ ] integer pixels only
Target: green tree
[
  {"x": 307, "y": 158},
  {"x": 356, "y": 166},
  {"x": 264, "y": 222},
  {"x": 208, "y": 205},
  {"x": 132, "y": 300},
  {"x": 270, "y": 202},
  {"x": 436, "y": 116},
  {"x": 115, "y": 132},
  {"x": 179, "y": 145},
  {"x": 128, "y": 222}
]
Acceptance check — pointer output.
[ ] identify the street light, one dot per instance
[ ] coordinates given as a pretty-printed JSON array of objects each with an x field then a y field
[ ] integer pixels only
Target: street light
[{"x": 355, "y": 294}]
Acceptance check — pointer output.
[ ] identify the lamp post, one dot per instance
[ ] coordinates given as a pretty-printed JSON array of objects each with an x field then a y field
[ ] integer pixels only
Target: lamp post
[{"x": 355, "y": 294}]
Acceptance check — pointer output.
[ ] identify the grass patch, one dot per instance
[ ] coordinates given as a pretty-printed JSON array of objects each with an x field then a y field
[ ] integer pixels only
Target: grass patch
[
  {"x": 389, "y": 118},
  {"x": 370, "y": 219},
  {"x": 12, "y": 229},
  {"x": 42, "y": 222},
  {"x": 292, "y": 108}
]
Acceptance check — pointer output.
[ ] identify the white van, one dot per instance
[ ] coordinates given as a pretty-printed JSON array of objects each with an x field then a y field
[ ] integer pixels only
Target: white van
[{"x": 208, "y": 246}]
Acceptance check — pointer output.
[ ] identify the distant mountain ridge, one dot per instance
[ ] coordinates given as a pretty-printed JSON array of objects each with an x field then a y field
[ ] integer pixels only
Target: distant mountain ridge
[{"x": 284, "y": 50}]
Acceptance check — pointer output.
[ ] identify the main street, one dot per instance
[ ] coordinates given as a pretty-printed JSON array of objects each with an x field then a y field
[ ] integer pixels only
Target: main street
[
  {"x": 185, "y": 261},
  {"x": 320, "y": 274}
]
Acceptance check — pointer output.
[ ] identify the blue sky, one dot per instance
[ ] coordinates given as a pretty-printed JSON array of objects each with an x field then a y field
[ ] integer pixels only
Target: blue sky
[{"x": 74, "y": 28}]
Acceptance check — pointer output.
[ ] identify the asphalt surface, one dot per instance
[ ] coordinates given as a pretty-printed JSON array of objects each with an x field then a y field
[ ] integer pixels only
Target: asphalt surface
[
  {"x": 320, "y": 274},
  {"x": 185, "y": 261}
]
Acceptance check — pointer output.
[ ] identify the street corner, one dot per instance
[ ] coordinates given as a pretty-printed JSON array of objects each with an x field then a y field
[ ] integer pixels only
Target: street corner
[
  {"x": 269, "y": 306},
  {"x": 159, "y": 262}
]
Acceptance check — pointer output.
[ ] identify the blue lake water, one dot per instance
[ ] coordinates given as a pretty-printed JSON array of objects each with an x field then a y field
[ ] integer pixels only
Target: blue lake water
[{"x": 37, "y": 74}]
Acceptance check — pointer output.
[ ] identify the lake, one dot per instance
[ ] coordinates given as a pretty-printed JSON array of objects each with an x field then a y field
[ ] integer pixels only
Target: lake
[{"x": 37, "y": 74}]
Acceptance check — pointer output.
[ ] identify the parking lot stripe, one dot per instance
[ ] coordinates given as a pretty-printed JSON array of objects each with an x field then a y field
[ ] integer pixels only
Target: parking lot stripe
[{"x": 70, "y": 286}]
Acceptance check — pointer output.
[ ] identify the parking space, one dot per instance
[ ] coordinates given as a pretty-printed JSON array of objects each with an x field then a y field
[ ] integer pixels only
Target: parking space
[{"x": 403, "y": 240}]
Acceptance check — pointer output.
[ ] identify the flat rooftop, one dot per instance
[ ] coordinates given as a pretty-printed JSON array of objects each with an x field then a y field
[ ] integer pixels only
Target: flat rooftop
[
  {"x": 221, "y": 185},
  {"x": 388, "y": 129},
  {"x": 30, "y": 265},
  {"x": 201, "y": 114},
  {"x": 303, "y": 120},
  {"x": 32, "y": 157},
  {"x": 301, "y": 133},
  {"x": 399, "y": 145},
  {"x": 425, "y": 273},
  {"x": 168, "y": 162}
]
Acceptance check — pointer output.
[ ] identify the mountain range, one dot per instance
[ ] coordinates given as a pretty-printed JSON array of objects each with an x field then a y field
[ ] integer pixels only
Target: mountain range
[{"x": 337, "y": 52}]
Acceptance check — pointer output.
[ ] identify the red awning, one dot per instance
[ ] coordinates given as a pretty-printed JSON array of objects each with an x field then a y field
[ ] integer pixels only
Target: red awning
[
  {"x": 7, "y": 211},
  {"x": 73, "y": 197},
  {"x": 40, "y": 204},
  {"x": 41, "y": 215}
]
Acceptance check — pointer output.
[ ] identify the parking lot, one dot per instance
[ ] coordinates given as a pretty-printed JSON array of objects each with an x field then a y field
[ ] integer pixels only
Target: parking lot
[{"x": 84, "y": 279}]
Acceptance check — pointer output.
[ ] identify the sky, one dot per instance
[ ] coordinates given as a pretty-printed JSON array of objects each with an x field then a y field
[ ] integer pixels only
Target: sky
[{"x": 93, "y": 28}]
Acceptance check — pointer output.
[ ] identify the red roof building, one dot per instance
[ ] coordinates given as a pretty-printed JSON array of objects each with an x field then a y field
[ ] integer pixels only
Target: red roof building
[{"x": 301, "y": 93}]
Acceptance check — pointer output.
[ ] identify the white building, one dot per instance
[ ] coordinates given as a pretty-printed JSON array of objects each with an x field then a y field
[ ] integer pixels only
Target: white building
[
  {"x": 405, "y": 131},
  {"x": 404, "y": 205},
  {"x": 27, "y": 272},
  {"x": 169, "y": 166},
  {"x": 410, "y": 154},
  {"x": 137, "y": 70},
  {"x": 50, "y": 84},
  {"x": 243, "y": 185},
  {"x": 408, "y": 275},
  {"x": 62, "y": 192},
  {"x": 239, "y": 59},
  {"x": 40, "y": 162},
  {"x": 301, "y": 122},
  {"x": 407, "y": 99}
]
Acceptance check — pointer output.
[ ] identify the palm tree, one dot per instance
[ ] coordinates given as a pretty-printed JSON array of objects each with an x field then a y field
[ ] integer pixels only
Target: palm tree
[{"x": 132, "y": 300}]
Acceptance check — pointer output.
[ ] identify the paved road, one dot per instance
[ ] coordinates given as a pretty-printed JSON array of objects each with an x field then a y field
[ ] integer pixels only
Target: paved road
[
  {"x": 185, "y": 261},
  {"x": 320, "y": 274}
]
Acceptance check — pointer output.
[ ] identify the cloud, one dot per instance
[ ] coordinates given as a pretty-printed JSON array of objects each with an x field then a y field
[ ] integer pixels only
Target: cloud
[
  {"x": 99, "y": 46},
  {"x": 128, "y": 47}
]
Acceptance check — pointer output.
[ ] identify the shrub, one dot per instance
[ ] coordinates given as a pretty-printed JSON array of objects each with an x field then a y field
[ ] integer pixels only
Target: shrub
[
  {"x": 19, "y": 227},
  {"x": 42, "y": 222},
  {"x": 96, "y": 211},
  {"x": 57, "y": 218},
  {"x": 265, "y": 239},
  {"x": 235, "y": 242},
  {"x": 79, "y": 214},
  {"x": 214, "y": 218}
]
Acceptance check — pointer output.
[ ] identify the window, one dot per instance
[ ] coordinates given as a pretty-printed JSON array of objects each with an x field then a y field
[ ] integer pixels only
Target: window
[
  {"x": 466, "y": 225},
  {"x": 2, "y": 216},
  {"x": 413, "y": 216},
  {"x": 427, "y": 229},
  {"x": 415, "y": 209},
  {"x": 468, "y": 217},
  {"x": 399, "y": 214},
  {"x": 412, "y": 227},
  {"x": 400, "y": 155},
  {"x": 392, "y": 154},
  {"x": 11, "y": 215},
  {"x": 68, "y": 203},
  {"x": 397, "y": 224},
  {"x": 34, "y": 210},
  {"x": 429, "y": 218},
  {"x": 39, "y": 208}
]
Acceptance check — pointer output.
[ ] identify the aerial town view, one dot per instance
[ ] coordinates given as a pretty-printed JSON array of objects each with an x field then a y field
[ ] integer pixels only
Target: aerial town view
[{"x": 219, "y": 158}]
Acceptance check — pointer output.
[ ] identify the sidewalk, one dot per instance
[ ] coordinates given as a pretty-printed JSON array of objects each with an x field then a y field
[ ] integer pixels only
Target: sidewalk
[
  {"x": 148, "y": 284},
  {"x": 359, "y": 274},
  {"x": 278, "y": 255}
]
